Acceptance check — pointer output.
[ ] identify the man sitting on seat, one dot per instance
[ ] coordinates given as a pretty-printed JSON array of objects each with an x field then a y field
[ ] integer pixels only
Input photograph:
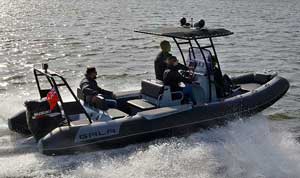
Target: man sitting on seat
[
  {"x": 94, "y": 95},
  {"x": 173, "y": 78}
]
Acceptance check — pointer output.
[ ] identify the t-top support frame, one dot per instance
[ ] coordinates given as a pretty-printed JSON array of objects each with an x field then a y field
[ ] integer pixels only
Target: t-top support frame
[
  {"x": 51, "y": 79},
  {"x": 189, "y": 42}
]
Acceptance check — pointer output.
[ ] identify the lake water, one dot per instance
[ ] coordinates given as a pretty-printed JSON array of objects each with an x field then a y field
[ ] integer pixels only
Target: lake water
[{"x": 70, "y": 35}]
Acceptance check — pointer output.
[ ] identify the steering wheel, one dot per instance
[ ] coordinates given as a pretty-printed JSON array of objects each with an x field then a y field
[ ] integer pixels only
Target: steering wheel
[{"x": 190, "y": 74}]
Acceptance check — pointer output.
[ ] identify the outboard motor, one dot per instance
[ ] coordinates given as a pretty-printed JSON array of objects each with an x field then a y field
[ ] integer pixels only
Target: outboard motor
[{"x": 41, "y": 119}]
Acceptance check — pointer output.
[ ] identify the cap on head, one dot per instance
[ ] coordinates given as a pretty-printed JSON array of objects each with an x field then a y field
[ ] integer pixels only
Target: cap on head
[
  {"x": 90, "y": 70},
  {"x": 172, "y": 60}
]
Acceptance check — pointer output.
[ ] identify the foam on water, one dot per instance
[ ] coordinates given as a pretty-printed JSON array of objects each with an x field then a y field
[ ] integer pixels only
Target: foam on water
[
  {"x": 13, "y": 103},
  {"x": 243, "y": 148}
]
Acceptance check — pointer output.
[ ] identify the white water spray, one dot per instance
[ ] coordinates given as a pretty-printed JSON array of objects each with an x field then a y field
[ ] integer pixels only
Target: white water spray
[{"x": 249, "y": 148}]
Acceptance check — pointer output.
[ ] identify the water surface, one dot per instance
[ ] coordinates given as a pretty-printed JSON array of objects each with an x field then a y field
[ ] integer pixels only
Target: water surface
[{"x": 70, "y": 35}]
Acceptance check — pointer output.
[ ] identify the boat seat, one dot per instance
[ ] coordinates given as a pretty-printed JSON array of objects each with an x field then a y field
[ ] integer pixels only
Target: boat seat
[
  {"x": 115, "y": 113},
  {"x": 151, "y": 92},
  {"x": 159, "y": 94},
  {"x": 152, "y": 88},
  {"x": 154, "y": 94},
  {"x": 142, "y": 104},
  {"x": 80, "y": 122},
  {"x": 164, "y": 111}
]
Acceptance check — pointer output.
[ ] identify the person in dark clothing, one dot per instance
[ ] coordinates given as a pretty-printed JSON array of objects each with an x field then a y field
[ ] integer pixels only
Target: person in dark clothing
[
  {"x": 160, "y": 63},
  {"x": 173, "y": 78},
  {"x": 218, "y": 78},
  {"x": 94, "y": 95},
  {"x": 223, "y": 83}
]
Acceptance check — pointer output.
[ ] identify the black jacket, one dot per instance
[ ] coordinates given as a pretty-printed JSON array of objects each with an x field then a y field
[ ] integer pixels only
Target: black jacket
[
  {"x": 90, "y": 87},
  {"x": 160, "y": 64},
  {"x": 173, "y": 78}
]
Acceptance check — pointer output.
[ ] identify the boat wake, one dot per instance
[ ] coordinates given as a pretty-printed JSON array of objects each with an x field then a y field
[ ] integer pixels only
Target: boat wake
[{"x": 243, "y": 148}]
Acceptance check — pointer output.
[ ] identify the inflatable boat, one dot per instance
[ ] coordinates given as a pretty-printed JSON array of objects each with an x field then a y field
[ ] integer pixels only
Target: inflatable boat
[{"x": 151, "y": 112}]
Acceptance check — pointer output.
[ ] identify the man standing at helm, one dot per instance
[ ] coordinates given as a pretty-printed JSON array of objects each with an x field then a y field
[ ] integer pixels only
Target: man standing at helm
[{"x": 160, "y": 63}]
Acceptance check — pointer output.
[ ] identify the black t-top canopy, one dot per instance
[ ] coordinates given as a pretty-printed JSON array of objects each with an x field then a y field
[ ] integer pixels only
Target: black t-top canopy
[{"x": 186, "y": 33}]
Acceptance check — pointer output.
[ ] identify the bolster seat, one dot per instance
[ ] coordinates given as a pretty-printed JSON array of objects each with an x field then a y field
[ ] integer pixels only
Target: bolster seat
[
  {"x": 154, "y": 94},
  {"x": 141, "y": 104},
  {"x": 152, "y": 88},
  {"x": 151, "y": 93},
  {"x": 115, "y": 113}
]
